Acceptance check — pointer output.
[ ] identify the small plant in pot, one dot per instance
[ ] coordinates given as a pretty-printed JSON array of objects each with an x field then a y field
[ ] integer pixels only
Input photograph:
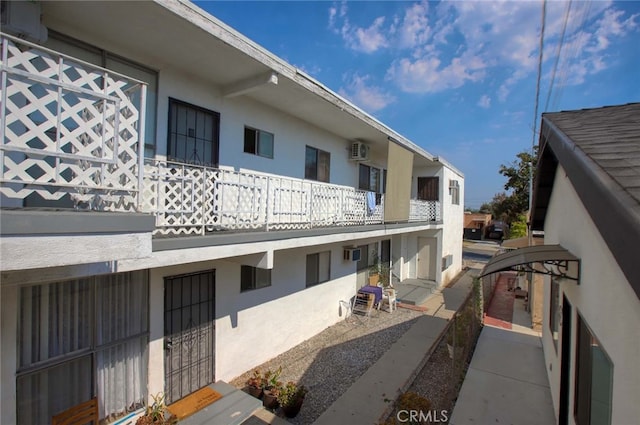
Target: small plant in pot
[
  {"x": 157, "y": 413},
  {"x": 270, "y": 397},
  {"x": 291, "y": 397},
  {"x": 256, "y": 384},
  {"x": 272, "y": 388}
]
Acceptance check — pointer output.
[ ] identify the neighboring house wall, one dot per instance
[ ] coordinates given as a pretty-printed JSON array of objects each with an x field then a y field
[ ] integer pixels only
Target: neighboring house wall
[
  {"x": 476, "y": 220},
  {"x": 604, "y": 298}
]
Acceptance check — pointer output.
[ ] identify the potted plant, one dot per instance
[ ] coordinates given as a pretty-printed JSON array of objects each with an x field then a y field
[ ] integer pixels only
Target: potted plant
[
  {"x": 256, "y": 384},
  {"x": 272, "y": 388},
  {"x": 291, "y": 397},
  {"x": 157, "y": 413},
  {"x": 380, "y": 273}
]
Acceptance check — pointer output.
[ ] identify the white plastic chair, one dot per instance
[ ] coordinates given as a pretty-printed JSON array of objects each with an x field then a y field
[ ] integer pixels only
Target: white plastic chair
[{"x": 389, "y": 298}]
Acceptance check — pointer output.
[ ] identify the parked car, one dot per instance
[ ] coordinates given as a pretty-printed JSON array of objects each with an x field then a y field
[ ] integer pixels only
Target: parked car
[{"x": 496, "y": 230}]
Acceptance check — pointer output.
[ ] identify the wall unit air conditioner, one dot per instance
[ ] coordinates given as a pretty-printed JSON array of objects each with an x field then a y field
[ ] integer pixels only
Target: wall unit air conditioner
[
  {"x": 359, "y": 151},
  {"x": 351, "y": 254},
  {"x": 22, "y": 19}
]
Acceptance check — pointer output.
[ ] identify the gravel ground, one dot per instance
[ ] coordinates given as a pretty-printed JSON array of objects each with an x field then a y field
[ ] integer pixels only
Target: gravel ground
[
  {"x": 346, "y": 350},
  {"x": 343, "y": 351}
]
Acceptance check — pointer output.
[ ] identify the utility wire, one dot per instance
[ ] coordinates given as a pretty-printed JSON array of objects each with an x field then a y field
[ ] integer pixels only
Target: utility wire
[
  {"x": 558, "y": 53},
  {"x": 535, "y": 110}
]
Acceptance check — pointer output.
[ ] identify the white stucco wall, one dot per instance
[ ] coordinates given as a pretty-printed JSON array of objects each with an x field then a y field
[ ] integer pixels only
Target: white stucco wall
[
  {"x": 255, "y": 326},
  {"x": 452, "y": 216},
  {"x": 604, "y": 299},
  {"x": 452, "y": 232},
  {"x": 291, "y": 135}
]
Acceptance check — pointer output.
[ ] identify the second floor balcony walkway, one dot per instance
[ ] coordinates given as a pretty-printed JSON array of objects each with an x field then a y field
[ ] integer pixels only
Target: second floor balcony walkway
[{"x": 70, "y": 136}]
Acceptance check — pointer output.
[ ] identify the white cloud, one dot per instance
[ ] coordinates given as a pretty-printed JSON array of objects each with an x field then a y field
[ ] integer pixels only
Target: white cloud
[
  {"x": 361, "y": 39},
  {"x": 612, "y": 25},
  {"x": 429, "y": 75},
  {"x": 455, "y": 43},
  {"x": 484, "y": 102},
  {"x": 369, "y": 97},
  {"x": 414, "y": 30},
  {"x": 370, "y": 39}
]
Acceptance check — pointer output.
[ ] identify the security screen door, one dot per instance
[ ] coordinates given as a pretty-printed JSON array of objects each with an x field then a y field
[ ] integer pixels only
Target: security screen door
[{"x": 189, "y": 323}]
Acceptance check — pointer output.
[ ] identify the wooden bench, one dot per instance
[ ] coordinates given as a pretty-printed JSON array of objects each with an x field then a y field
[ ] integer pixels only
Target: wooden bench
[{"x": 81, "y": 414}]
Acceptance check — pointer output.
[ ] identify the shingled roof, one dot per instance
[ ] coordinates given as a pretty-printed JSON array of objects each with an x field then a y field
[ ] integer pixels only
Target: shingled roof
[{"x": 599, "y": 149}]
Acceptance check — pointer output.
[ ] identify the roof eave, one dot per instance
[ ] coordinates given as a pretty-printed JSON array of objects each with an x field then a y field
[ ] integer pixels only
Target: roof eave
[{"x": 608, "y": 205}]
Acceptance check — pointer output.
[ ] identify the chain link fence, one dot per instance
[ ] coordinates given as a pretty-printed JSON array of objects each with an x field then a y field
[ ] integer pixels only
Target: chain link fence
[{"x": 431, "y": 397}]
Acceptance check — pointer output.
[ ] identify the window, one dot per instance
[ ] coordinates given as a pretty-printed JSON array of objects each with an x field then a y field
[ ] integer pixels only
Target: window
[
  {"x": 594, "y": 379},
  {"x": 258, "y": 142},
  {"x": 317, "y": 164},
  {"x": 373, "y": 180},
  {"x": 385, "y": 251},
  {"x": 363, "y": 262},
  {"x": 555, "y": 311},
  {"x": 80, "y": 339},
  {"x": 454, "y": 191},
  {"x": 97, "y": 56},
  {"x": 318, "y": 268},
  {"x": 193, "y": 134},
  {"x": 254, "y": 278}
]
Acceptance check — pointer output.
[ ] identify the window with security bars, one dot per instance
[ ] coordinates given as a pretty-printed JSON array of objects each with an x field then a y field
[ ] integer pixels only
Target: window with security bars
[
  {"x": 81, "y": 339},
  {"x": 193, "y": 134}
]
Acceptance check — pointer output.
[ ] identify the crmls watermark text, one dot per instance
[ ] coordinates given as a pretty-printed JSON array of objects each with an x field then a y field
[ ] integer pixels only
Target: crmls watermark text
[{"x": 418, "y": 416}]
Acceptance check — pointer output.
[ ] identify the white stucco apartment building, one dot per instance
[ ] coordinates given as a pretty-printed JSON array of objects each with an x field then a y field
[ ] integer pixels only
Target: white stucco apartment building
[
  {"x": 587, "y": 201},
  {"x": 216, "y": 243}
]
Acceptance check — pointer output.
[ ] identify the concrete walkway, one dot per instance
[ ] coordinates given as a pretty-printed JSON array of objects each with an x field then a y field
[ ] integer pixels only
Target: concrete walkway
[
  {"x": 370, "y": 399},
  {"x": 506, "y": 382}
]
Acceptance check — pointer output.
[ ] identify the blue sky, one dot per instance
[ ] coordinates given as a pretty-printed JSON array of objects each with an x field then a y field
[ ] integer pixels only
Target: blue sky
[{"x": 457, "y": 78}]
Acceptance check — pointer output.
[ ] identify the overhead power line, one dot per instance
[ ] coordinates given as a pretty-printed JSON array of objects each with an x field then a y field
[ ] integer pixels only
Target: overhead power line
[
  {"x": 537, "y": 99},
  {"x": 558, "y": 53}
]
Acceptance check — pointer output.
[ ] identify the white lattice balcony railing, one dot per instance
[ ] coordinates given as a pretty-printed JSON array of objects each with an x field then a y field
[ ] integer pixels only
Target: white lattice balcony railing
[
  {"x": 68, "y": 128},
  {"x": 188, "y": 199},
  {"x": 424, "y": 210}
]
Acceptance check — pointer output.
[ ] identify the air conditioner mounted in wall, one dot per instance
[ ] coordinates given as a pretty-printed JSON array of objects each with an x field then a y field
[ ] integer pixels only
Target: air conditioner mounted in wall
[
  {"x": 359, "y": 151},
  {"x": 22, "y": 19},
  {"x": 351, "y": 254}
]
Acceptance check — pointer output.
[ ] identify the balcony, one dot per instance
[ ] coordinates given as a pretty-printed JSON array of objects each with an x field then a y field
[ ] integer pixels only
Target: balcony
[{"x": 71, "y": 131}]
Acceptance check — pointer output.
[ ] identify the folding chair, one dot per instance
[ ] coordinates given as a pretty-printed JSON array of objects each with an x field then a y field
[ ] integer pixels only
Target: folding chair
[{"x": 363, "y": 305}]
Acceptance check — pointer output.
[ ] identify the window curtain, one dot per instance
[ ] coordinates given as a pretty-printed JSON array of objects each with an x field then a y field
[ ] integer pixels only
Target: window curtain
[
  {"x": 122, "y": 312},
  {"x": 80, "y": 339},
  {"x": 55, "y": 320}
]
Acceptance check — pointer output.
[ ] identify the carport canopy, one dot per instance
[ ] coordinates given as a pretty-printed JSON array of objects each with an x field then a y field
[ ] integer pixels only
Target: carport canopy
[{"x": 552, "y": 260}]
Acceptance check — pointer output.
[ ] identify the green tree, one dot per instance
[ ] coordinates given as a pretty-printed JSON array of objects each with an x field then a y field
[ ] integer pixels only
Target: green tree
[
  {"x": 518, "y": 228},
  {"x": 509, "y": 206},
  {"x": 517, "y": 174}
]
